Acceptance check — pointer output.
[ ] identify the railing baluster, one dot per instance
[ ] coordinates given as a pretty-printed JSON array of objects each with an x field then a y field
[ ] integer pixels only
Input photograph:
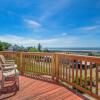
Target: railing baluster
[
  {"x": 69, "y": 70},
  {"x": 21, "y": 59},
  {"x": 23, "y": 62},
  {"x": 85, "y": 81},
  {"x": 46, "y": 64},
  {"x": 91, "y": 76},
  {"x": 52, "y": 67},
  {"x": 76, "y": 72},
  {"x": 32, "y": 63},
  {"x": 49, "y": 67},
  {"x": 97, "y": 72},
  {"x": 57, "y": 67},
  {"x": 35, "y": 63},
  {"x": 72, "y": 71},
  {"x": 81, "y": 73},
  {"x": 40, "y": 63},
  {"x": 66, "y": 71}
]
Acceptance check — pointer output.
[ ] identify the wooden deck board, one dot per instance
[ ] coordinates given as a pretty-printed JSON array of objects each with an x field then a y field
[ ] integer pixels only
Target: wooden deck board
[{"x": 32, "y": 89}]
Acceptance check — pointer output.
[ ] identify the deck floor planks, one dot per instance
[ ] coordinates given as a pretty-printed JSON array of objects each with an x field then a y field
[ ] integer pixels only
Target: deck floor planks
[{"x": 32, "y": 89}]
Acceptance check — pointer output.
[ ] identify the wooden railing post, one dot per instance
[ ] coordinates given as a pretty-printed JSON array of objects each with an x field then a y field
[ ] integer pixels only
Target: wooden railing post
[
  {"x": 57, "y": 66},
  {"x": 21, "y": 62},
  {"x": 53, "y": 67}
]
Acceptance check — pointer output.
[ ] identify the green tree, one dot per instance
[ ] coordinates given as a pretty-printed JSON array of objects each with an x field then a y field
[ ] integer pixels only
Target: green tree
[
  {"x": 6, "y": 45},
  {"x": 90, "y": 54},
  {"x": 46, "y": 50},
  {"x": 1, "y": 47},
  {"x": 21, "y": 48},
  {"x": 39, "y": 47},
  {"x": 31, "y": 49}
]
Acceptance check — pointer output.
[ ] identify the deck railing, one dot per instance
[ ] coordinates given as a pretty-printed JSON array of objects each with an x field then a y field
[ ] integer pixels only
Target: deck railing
[{"x": 80, "y": 72}]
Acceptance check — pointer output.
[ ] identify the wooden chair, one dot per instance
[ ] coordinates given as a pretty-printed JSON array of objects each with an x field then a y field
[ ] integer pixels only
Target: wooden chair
[
  {"x": 6, "y": 61},
  {"x": 9, "y": 71}
]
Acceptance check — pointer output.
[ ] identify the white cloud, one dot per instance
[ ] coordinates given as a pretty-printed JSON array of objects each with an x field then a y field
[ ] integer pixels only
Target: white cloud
[
  {"x": 11, "y": 39},
  {"x": 89, "y": 28},
  {"x": 32, "y": 24},
  {"x": 52, "y": 42},
  {"x": 54, "y": 7}
]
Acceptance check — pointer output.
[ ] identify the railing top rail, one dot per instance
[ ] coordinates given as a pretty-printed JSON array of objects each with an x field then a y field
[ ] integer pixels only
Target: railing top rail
[
  {"x": 80, "y": 57},
  {"x": 69, "y": 56},
  {"x": 36, "y": 53}
]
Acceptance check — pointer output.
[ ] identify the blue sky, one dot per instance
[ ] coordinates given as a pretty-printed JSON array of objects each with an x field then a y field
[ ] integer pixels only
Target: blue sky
[{"x": 53, "y": 23}]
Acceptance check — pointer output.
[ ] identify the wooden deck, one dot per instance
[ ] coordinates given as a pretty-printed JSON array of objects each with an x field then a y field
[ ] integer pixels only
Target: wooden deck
[{"x": 33, "y": 89}]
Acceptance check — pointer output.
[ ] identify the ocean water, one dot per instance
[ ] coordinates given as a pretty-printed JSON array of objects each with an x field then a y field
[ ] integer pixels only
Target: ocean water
[{"x": 95, "y": 49}]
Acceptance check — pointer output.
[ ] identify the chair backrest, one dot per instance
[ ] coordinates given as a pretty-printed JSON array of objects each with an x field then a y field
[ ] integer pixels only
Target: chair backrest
[{"x": 2, "y": 59}]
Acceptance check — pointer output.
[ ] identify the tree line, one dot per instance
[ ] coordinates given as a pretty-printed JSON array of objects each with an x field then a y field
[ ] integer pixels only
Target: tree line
[{"x": 4, "y": 46}]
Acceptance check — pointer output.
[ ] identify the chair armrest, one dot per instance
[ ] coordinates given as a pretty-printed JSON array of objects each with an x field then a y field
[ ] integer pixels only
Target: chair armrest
[
  {"x": 8, "y": 64},
  {"x": 10, "y": 67},
  {"x": 11, "y": 63},
  {"x": 10, "y": 60}
]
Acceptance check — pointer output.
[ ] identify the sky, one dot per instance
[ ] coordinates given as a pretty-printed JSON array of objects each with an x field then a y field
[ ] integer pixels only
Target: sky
[{"x": 52, "y": 23}]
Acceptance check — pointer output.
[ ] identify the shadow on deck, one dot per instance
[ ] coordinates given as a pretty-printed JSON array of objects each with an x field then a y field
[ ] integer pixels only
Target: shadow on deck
[{"x": 38, "y": 88}]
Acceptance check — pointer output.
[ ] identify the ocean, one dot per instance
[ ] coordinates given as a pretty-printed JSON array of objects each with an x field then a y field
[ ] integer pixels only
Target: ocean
[{"x": 86, "y": 49}]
